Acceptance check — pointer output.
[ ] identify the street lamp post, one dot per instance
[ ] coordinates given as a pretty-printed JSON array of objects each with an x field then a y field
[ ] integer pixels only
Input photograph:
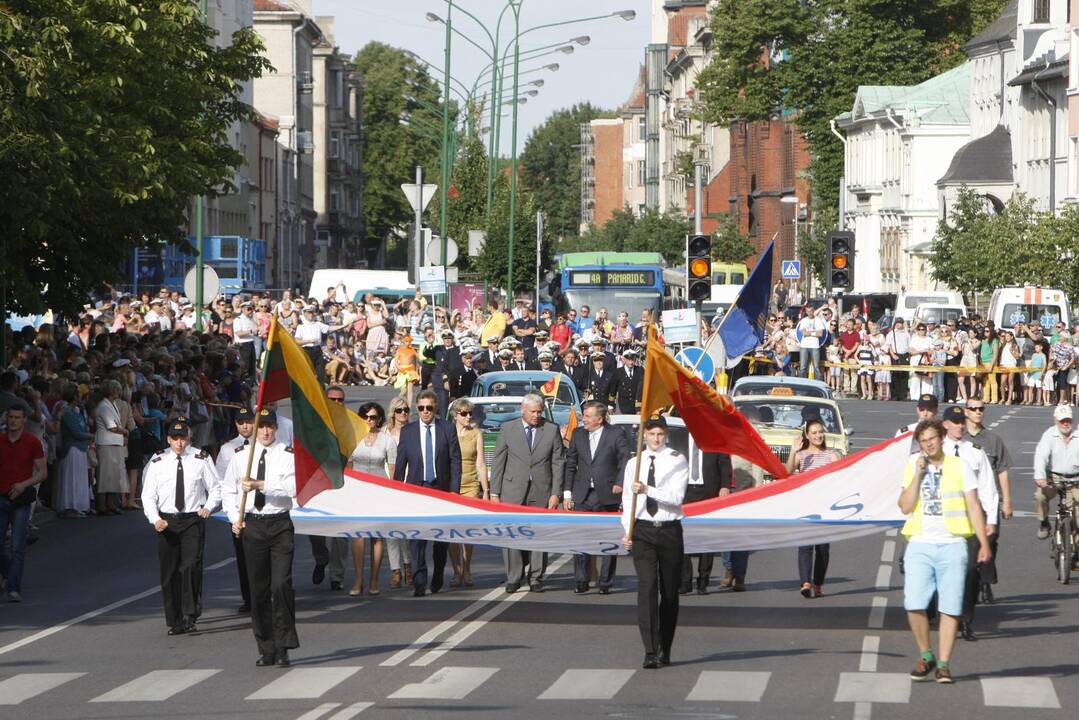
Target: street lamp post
[{"x": 446, "y": 159}]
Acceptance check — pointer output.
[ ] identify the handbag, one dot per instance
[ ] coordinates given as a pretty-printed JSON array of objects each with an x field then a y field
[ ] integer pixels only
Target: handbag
[{"x": 26, "y": 497}]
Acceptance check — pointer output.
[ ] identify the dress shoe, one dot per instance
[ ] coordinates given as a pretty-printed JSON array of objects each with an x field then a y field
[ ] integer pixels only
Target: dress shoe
[
  {"x": 580, "y": 589},
  {"x": 282, "y": 659},
  {"x": 319, "y": 574},
  {"x": 265, "y": 661},
  {"x": 967, "y": 632},
  {"x": 663, "y": 657},
  {"x": 243, "y": 609},
  {"x": 335, "y": 585},
  {"x": 178, "y": 629},
  {"x": 419, "y": 592},
  {"x": 685, "y": 589},
  {"x": 604, "y": 591},
  {"x": 512, "y": 587},
  {"x": 435, "y": 588},
  {"x": 702, "y": 586},
  {"x": 650, "y": 662},
  {"x": 189, "y": 625},
  {"x": 739, "y": 585},
  {"x": 536, "y": 587}
]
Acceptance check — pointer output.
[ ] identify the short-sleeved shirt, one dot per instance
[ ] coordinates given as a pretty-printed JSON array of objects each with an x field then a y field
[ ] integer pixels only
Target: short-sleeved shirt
[
  {"x": 994, "y": 447},
  {"x": 17, "y": 459},
  {"x": 932, "y": 502}
]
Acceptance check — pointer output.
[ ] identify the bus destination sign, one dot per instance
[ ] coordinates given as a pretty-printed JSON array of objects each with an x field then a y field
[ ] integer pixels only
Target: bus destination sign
[{"x": 613, "y": 278}]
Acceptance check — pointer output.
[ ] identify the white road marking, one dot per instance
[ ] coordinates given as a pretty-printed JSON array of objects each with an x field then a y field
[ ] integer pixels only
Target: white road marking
[
  {"x": 319, "y": 711},
  {"x": 893, "y": 532},
  {"x": 1028, "y": 692},
  {"x": 887, "y": 553},
  {"x": 351, "y": 711},
  {"x": 876, "y": 612},
  {"x": 308, "y": 614},
  {"x": 445, "y": 626},
  {"x": 884, "y": 577},
  {"x": 304, "y": 683},
  {"x": 729, "y": 685},
  {"x": 24, "y": 686},
  {"x": 474, "y": 626},
  {"x": 156, "y": 686},
  {"x": 584, "y": 684},
  {"x": 863, "y": 710},
  {"x": 47, "y": 632},
  {"x": 448, "y": 683},
  {"x": 873, "y": 687},
  {"x": 870, "y": 650}
]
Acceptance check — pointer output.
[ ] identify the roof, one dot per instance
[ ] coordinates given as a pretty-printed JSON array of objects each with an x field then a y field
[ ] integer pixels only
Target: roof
[
  {"x": 1041, "y": 68},
  {"x": 998, "y": 31},
  {"x": 636, "y": 97},
  {"x": 943, "y": 99},
  {"x": 987, "y": 159},
  {"x": 272, "y": 6}
]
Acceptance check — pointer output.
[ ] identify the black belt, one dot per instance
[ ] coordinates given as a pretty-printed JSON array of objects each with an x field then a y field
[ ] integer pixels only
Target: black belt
[
  {"x": 248, "y": 517},
  {"x": 658, "y": 523},
  {"x": 178, "y": 516}
]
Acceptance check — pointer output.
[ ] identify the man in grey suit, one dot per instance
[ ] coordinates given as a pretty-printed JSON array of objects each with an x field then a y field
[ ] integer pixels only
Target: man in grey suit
[
  {"x": 595, "y": 461},
  {"x": 527, "y": 469}
]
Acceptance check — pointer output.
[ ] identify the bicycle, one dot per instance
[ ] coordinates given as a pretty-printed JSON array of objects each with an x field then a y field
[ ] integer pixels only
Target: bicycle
[{"x": 1064, "y": 540}]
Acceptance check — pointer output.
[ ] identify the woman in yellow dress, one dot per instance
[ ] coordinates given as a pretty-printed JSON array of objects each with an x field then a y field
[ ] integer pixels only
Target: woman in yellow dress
[{"x": 473, "y": 482}]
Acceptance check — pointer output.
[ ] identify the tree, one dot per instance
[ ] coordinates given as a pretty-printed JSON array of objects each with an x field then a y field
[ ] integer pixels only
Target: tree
[
  {"x": 728, "y": 242},
  {"x": 113, "y": 113},
  {"x": 550, "y": 167},
  {"x": 466, "y": 207},
  {"x": 808, "y": 57},
  {"x": 493, "y": 262},
  {"x": 391, "y": 151},
  {"x": 664, "y": 233}
]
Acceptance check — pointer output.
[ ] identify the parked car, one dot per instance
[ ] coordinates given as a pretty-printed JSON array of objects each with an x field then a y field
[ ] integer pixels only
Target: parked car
[
  {"x": 515, "y": 383},
  {"x": 781, "y": 385}
]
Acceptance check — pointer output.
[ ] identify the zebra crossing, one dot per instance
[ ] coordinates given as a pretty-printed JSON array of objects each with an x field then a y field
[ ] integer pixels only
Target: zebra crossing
[{"x": 457, "y": 683}]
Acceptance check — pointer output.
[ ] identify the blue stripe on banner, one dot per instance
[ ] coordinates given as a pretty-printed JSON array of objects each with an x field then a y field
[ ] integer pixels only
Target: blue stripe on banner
[{"x": 589, "y": 519}]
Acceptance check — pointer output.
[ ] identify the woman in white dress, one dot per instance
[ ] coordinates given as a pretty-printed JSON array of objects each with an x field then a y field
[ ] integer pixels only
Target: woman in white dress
[
  {"x": 375, "y": 455},
  {"x": 72, "y": 497},
  {"x": 377, "y": 337},
  {"x": 109, "y": 437},
  {"x": 397, "y": 550}
]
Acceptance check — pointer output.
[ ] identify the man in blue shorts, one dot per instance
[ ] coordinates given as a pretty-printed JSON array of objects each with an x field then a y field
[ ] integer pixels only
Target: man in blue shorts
[{"x": 940, "y": 498}]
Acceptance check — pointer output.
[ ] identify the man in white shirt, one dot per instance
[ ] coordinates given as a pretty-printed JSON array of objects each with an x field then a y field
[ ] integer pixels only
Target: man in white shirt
[
  {"x": 1055, "y": 458},
  {"x": 267, "y": 533},
  {"x": 241, "y": 444},
  {"x": 654, "y": 537},
  {"x": 898, "y": 341},
  {"x": 244, "y": 333},
  {"x": 810, "y": 331},
  {"x": 179, "y": 489}
]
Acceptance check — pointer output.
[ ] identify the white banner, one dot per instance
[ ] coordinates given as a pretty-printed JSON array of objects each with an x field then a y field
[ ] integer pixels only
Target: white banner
[{"x": 853, "y": 497}]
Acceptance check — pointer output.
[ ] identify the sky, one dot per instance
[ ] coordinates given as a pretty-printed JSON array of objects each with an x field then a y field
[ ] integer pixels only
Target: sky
[{"x": 602, "y": 73}]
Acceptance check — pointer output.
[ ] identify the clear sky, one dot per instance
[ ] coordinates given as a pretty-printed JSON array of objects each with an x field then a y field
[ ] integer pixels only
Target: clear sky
[{"x": 603, "y": 72}]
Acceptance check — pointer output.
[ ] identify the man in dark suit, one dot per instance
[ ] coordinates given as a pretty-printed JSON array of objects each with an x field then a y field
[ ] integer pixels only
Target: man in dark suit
[
  {"x": 628, "y": 382},
  {"x": 714, "y": 475},
  {"x": 527, "y": 469},
  {"x": 447, "y": 359},
  {"x": 595, "y": 461},
  {"x": 463, "y": 376},
  {"x": 570, "y": 364},
  {"x": 600, "y": 379},
  {"x": 428, "y": 455}
]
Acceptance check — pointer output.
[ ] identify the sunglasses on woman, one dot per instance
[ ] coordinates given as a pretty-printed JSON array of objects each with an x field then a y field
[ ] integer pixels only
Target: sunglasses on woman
[
  {"x": 401, "y": 411},
  {"x": 465, "y": 413}
]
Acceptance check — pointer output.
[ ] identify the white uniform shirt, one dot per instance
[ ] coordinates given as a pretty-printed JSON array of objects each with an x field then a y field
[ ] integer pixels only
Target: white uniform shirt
[
  {"x": 1054, "y": 455},
  {"x": 311, "y": 333},
  {"x": 979, "y": 462},
  {"x": 284, "y": 430},
  {"x": 280, "y": 481},
  {"x": 243, "y": 324},
  {"x": 159, "y": 483},
  {"x": 672, "y": 478},
  {"x": 224, "y": 457}
]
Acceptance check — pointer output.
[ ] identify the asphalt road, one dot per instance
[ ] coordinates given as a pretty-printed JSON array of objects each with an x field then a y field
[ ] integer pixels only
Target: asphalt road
[{"x": 89, "y": 639}]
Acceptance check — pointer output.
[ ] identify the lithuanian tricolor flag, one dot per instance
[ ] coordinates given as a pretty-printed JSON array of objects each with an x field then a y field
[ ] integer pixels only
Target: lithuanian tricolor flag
[{"x": 324, "y": 432}]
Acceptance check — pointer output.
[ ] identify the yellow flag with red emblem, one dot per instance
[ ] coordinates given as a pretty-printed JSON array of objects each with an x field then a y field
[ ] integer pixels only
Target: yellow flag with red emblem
[{"x": 550, "y": 388}]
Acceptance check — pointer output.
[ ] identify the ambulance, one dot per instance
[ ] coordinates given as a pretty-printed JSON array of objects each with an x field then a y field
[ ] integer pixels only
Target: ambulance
[{"x": 1011, "y": 305}]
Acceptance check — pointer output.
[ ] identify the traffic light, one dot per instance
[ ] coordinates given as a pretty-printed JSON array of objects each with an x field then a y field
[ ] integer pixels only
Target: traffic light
[
  {"x": 841, "y": 260},
  {"x": 699, "y": 267}
]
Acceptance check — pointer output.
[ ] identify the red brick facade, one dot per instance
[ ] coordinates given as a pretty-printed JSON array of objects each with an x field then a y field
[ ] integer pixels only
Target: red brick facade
[{"x": 607, "y": 137}]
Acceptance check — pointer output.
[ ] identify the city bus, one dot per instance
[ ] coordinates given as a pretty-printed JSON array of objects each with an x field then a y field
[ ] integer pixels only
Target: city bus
[
  {"x": 240, "y": 262},
  {"x": 621, "y": 282},
  {"x": 727, "y": 273}
]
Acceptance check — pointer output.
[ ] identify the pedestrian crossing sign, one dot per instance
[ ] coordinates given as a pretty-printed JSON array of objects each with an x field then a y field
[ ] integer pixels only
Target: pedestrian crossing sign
[{"x": 791, "y": 269}]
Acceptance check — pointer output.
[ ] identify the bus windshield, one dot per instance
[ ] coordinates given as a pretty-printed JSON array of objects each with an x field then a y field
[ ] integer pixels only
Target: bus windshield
[{"x": 616, "y": 300}]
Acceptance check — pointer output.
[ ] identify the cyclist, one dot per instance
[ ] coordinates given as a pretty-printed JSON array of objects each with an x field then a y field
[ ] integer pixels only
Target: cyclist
[
  {"x": 1055, "y": 458},
  {"x": 973, "y": 455},
  {"x": 1001, "y": 460}
]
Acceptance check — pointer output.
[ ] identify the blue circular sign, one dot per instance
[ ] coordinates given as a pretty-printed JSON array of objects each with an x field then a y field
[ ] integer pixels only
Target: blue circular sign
[{"x": 706, "y": 366}]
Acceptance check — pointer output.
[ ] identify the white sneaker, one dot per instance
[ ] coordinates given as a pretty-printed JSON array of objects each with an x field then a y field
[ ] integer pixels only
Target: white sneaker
[{"x": 14, "y": 597}]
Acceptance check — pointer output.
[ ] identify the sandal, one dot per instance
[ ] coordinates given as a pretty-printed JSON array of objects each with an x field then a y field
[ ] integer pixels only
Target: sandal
[
  {"x": 373, "y": 591},
  {"x": 806, "y": 590},
  {"x": 356, "y": 593},
  {"x": 395, "y": 580}
]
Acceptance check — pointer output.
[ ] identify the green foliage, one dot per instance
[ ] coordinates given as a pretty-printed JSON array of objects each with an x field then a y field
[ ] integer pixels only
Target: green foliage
[
  {"x": 728, "y": 242},
  {"x": 391, "y": 151},
  {"x": 550, "y": 167},
  {"x": 493, "y": 262},
  {"x": 113, "y": 114},
  {"x": 625, "y": 232},
  {"x": 826, "y": 49},
  {"x": 976, "y": 250},
  {"x": 466, "y": 206}
]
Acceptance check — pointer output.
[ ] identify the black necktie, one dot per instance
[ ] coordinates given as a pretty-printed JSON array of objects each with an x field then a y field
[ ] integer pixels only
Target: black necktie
[
  {"x": 260, "y": 497},
  {"x": 650, "y": 503},
  {"x": 179, "y": 484},
  {"x": 957, "y": 449}
]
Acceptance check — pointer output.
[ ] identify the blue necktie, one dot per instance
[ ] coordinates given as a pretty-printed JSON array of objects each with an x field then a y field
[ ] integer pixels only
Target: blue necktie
[
  {"x": 429, "y": 464},
  {"x": 528, "y": 432}
]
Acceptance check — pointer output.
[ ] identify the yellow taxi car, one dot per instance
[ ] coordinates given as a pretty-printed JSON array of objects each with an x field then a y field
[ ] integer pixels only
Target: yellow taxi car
[{"x": 779, "y": 417}]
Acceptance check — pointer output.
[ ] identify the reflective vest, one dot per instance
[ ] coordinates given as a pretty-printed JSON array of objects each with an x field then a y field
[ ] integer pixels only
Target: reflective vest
[{"x": 953, "y": 500}]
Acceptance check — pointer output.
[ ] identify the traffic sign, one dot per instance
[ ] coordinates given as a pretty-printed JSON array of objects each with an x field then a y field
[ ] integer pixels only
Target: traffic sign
[
  {"x": 433, "y": 253},
  {"x": 706, "y": 367},
  {"x": 680, "y": 326},
  {"x": 791, "y": 269},
  {"x": 432, "y": 279},
  {"x": 410, "y": 191},
  {"x": 211, "y": 285}
]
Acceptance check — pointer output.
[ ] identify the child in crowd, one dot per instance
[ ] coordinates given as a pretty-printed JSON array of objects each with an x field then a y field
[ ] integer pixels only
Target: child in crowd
[
  {"x": 883, "y": 378},
  {"x": 865, "y": 372},
  {"x": 835, "y": 374},
  {"x": 1032, "y": 390}
]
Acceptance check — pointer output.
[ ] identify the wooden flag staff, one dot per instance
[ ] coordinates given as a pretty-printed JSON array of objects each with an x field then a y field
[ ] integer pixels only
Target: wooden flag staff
[{"x": 255, "y": 433}]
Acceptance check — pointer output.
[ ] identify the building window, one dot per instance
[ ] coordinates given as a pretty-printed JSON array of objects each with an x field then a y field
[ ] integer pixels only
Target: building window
[
  {"x": 642, "y": 172},
  {"x": 1073, "y": 165},
  {"x": 335, "y": 146},
  {"x": 1040, "y": 11},
  {"x": 642, "y": 128}
]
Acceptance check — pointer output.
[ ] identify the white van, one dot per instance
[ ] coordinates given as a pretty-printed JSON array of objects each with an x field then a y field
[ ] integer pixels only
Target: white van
[
  {"x": 938, "y": 313},
  {"x": 390, "y": 285},
  {"x": 1011, "y": 305},
  {"x": 908, "y": 301}
]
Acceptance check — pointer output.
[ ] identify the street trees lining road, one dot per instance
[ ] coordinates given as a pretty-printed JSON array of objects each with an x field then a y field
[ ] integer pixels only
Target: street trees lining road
[{"x": 112, "y": 115}]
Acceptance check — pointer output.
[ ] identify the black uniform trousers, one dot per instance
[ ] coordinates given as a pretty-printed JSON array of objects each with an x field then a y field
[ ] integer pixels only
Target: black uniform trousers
[
  {"x": 247, "y": 357},
  {"x": 268, "y": 544},
  {"x": 179, "y": 552},
  {"x": 241, "y": 569},
  {"x": 318, "y": 360},
  {"x": 582, "y": 564},
  {"x": 705, "y": 561},
  {"x": 417, "y": 550},
  {"x": 901, "y": 380},
  {"x": 657, "y": 559},
  {"x": 978, "y": 573}
]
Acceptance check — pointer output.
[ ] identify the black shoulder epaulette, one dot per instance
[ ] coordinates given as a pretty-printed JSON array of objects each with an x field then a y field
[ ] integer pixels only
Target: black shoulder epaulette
[
  {"x": 202, "y": 455},
  {"x": 976, "y": 445},
  {"x": 288, "y": 448},
  {"x": 156, "y": 458},
  {"x": 674, "y": 452}
]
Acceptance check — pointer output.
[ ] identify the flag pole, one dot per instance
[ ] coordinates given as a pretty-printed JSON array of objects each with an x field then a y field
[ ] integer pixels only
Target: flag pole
[
  {"x": 648, "y": 373},
  {"x": 255, "y": 429}
]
